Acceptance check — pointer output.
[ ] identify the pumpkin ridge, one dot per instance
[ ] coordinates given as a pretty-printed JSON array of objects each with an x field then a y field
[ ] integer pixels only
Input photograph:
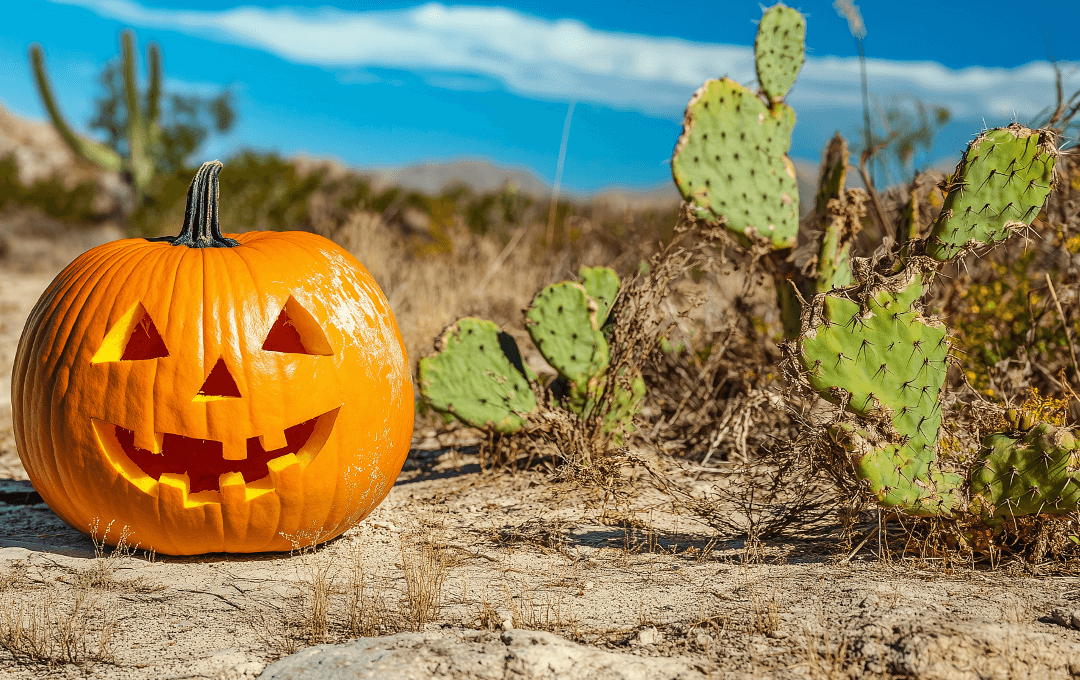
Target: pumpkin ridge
[{"x": 72, "y": 328}]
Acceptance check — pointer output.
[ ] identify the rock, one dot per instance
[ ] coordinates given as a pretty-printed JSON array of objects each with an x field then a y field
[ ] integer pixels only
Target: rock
[
  {"x": 931, "y": 648},
  {"x": 649, "y": 636},
  {"x": 1066, "y": 617},
  {"x": 512, "y": 655}
]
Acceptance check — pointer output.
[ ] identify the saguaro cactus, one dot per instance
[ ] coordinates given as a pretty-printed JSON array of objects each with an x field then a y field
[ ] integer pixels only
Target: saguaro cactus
[{"x": 143, "y": 133}]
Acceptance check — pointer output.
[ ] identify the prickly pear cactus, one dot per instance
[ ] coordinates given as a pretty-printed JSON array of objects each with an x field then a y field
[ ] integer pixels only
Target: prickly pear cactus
[
  {"x": 839, "y": 212},
  {"x": 1027, "y": 473},
  {"x": 999, "y": 187},
  {"x": 564, "y": 324},
  {"x": 778, "y": 50},
  {"x": 478, "y": 377},
  {"x": 730, "y": 165},
  {"x": 602, "y": 285},
  {"x": 870, "y": 349}
]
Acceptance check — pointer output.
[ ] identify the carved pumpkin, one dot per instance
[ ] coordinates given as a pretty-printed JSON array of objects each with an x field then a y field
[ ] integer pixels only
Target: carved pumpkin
[{"x": 213, "y": 393}]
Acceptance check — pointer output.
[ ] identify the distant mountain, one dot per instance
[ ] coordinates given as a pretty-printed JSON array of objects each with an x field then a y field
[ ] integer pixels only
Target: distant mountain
[{"x": 482, "y": 176}]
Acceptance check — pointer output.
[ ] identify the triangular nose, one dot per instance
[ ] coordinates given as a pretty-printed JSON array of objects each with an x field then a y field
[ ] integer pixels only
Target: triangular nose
[{"x": 219, "y": 384}]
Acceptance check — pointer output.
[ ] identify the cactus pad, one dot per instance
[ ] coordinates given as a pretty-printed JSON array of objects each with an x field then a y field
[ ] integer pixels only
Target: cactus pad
[
  {"x": 477, "y": 376},
  {"x": 602, "y": 285},
  {"x": 1033, "y": 472},
  {"x": 999, "y": 187},
  {"x": 729, "y": 164},
  {"x": 778, "y": 50},
  {"x": 880, "y": 358},
  {"x": 563, "y": 325}
]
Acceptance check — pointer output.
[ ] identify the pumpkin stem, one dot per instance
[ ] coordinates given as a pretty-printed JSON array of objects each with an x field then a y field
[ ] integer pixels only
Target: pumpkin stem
[{"x": 201, "y": 226}]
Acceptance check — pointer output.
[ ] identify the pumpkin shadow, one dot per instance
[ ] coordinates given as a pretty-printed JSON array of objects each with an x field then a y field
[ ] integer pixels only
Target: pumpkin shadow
[
  {"x": 445, "y": 463},
  {"x": 28, "y": 526}
]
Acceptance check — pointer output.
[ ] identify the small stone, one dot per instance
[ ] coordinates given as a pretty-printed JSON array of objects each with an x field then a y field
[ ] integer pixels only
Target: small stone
[
  {"x": 702, "y": 638},
  {"x": 1066, "y": 617},
  {"x": 649, "y": 636}
]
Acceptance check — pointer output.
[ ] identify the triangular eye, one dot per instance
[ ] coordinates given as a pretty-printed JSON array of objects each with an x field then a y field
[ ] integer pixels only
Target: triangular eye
[
  {"x": 219, "y": 384},
  {"x": 131, "y": 338},
  {"x": 296, "y": 332}
]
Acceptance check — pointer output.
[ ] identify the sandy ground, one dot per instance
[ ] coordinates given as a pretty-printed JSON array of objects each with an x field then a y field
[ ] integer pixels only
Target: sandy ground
[{"x": 511, "y": 550}]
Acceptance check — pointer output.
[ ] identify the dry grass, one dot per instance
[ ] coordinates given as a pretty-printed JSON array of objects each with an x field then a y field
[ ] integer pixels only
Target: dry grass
[
  {"x": 824, "y": 658},
  {"x": 336, "y": 599},
  {"x": 544, "y": 612},
  {"x": 101, "y": 574},
  {"x": 490, "y": 276},
  {"x": 425, "y": 567},
  {"x": 54, "y": 624},
  {"x": 547, "y": 534},
  {"x": 51, "y": 631}
]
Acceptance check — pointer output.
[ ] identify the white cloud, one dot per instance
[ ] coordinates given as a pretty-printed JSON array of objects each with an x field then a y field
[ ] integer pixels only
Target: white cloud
[{"x": 565, "y": 59}]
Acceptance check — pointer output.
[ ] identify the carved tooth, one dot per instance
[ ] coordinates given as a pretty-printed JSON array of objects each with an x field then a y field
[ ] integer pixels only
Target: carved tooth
[
  {"x": 149, "y": 440},
  {"x": 233, "y": 488},
  {"x": 288, "y": 480},
  {"x": 234, "y": 448},
  {"x": 286, "y": 475},
  {"x": 173, "y": 489},
  {"x": 273, "y": 440}
]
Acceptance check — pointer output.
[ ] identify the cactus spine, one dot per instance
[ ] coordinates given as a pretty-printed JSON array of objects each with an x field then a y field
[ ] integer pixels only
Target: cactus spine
[
  {"x": 870, "y": 348},
  {"x": 142, "y": 119}
]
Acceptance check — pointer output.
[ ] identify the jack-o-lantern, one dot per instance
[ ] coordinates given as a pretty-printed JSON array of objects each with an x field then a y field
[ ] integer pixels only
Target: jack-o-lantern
[{"x": 213, "y": 393}]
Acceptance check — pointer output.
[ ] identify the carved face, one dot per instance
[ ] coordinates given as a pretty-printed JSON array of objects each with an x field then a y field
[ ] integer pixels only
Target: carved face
[{"x": 213, "y": 399}]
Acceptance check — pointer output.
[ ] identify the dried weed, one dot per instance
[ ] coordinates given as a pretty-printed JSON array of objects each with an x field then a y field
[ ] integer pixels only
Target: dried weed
[
  {"x": 51, "y": 631},
  {"x": 425, "y": 567}
]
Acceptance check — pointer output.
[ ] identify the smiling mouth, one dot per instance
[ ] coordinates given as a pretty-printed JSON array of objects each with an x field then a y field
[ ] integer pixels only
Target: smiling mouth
[{"x": 202, "y": 460}]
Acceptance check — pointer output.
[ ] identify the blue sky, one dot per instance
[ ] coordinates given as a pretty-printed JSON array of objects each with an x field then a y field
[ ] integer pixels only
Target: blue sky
[{"x": 397, "y": 83}]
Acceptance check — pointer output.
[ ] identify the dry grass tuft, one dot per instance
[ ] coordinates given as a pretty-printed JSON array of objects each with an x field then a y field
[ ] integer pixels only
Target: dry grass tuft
[
  {"x": 67, "y": 625},
  {"x": 545, "y": 533},
  {"x": 547, "y": 614},
  {"x": 425, "y": 567},
  {"x": 825, "y": 659},
  {"x": 51, "y": 631},
  {"x": 101, "y": 574}
]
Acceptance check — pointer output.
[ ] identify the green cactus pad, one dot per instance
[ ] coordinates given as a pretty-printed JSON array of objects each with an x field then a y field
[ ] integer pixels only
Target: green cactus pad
[
  {"x": 999, "y": 187},
  {"x": 894, "y": 475},
  {"x": 779, "y": 49},
  {"x": 837, "y": 229},
  {"x": 477, "y": 377},
  {"x": 602, "y": 285},
  {"x": 729, "y": 164},
  {"x": 563, "y": 325},
  {"x": 884, "y": 361},
  {"x": 1034, "y": 472},
  {"x": 627, "y": 404}
]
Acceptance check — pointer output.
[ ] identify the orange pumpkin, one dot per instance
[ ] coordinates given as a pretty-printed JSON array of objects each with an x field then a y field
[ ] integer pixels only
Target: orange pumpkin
[{"x": 213, "y": 393}]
